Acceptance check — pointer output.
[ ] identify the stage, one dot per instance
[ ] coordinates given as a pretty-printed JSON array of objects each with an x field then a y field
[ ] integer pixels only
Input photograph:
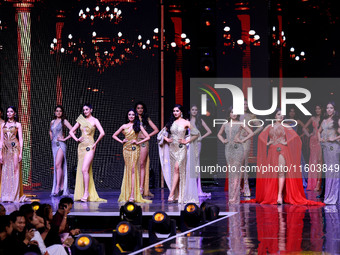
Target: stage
[{"x": 240, "y": 229}]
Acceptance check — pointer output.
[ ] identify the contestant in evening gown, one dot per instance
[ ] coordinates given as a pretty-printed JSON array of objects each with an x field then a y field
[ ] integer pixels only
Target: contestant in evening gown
[
  {"x": 315, "y": 155},
  {"x": 131, "y": 160},
  {"x": 197, "y": 123},
  {"x": 58, "y": 143},
  {"x": 247, "y": 145},
  {"x": 234, "y": 152},
  {"x": 285, "y": 152},
  {"x": 87, "y": 130},
  {"x": 144, "y": 157},
  {"x": 1, "y": 122},
  {"x": 182, "y": 184},
  {"x": 11, "y": 188},
  {"x": 331, "y": 151}
]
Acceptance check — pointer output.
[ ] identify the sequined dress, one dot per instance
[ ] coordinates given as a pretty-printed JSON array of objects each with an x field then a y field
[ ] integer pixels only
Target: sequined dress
[
  {"x": 131, "y": 159},
  {"x": 87, "y": 130},
  {"x": 331, "y": 153},
  {"x": 145, "y": 145},
  {"x": 314, "y": 157},
  {"x": 57, "y": 131},
  {"x": 234, "y": 154},
  {"x": 178, "y": 153},
  {"x": 11, "y": 188}
]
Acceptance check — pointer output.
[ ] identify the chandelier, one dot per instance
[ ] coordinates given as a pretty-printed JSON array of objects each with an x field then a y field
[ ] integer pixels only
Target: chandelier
[
  {"x": 280, "y": 41},
  {"x": 100, "y": 43},
  {"x": 231, "y": 41}
]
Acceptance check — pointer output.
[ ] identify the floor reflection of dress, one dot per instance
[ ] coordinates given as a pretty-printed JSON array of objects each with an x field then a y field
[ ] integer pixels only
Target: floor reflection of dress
[
  {"x": 234, "y": 154},
  {"x": 276, "y": 233},
  {"x": 236, "y": 241},
  {"x": 11, "y": 188}
]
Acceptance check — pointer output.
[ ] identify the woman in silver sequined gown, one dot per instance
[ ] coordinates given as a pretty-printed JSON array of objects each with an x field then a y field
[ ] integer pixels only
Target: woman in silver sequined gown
[
  {"x": 329, "y": 138},
  {"x": 60, "y": 186},
  {"x": 234, "y": 152}
]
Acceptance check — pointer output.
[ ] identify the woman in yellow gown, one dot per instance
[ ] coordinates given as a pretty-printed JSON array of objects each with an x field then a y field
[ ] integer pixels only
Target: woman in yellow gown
[
  {"x": 85, "y": 189},
  {"x": 130, "y": 190}
]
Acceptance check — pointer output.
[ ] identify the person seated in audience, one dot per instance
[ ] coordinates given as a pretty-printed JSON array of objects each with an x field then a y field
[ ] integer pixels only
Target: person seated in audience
[
  {"x": 21, "y": 235},
  {"x": 60, "y": 220},
  {"x": 7, "y": 245},
  {"x": 50, "y": 232},
  {"x": 2, "y": 210}
]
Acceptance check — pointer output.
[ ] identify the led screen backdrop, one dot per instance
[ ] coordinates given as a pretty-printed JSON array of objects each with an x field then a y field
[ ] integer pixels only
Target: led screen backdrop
[{"x": 109, "y": 58}]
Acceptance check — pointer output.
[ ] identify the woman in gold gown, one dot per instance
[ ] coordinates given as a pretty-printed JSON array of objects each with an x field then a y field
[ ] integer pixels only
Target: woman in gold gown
[
  {"x": 11, "y": 156},
  {"x": 85, "y": 189},
  {"x": 144, "y": 158},
  {"x": 177, "y": 127},
  {"x": 130, "y": 190}
]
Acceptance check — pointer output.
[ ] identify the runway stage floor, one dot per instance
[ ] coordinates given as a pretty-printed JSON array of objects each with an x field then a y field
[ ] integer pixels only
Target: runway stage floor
[{"x": 241, "y": 229}]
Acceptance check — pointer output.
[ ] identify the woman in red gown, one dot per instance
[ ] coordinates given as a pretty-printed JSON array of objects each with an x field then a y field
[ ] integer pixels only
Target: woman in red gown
[{"x": 279, "y": 176}]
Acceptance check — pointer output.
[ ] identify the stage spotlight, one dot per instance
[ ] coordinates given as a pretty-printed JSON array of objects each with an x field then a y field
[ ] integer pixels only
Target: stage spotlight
[
  {"x": 162, "y": 224},
  {"x": 127, "y": 238},
  {"x": 35, "y": 205},
  {"x": 132, "y": 213},
  {"x": 190, "y": 216},
  {"x": 209, "y": 212},
  {"x": 85, "y": 244}
]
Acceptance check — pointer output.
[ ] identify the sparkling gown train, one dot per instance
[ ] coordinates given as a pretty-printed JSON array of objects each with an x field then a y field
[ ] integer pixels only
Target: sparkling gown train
[
  {"x": 131, "y": 159},
  {"x": 87, "y": 131}
]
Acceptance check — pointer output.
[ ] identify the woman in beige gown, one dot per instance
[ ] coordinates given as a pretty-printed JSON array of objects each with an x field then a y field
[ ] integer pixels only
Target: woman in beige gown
[
  {"x": 85, "y": 189},
  {"x": 11, "y": 156},
  {"x": 144, "y": 158},
  {"x": 130, "y": 190}
]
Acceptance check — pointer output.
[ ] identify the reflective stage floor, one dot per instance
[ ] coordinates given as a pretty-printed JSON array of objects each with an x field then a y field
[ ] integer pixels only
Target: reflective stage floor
[{"x": 241, "y": 229}]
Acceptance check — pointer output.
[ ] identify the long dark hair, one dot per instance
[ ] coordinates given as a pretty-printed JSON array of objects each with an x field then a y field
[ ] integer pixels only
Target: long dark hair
[
  {"x": 198, "y": 121},
  {"x": 335, "y": 117},
  {"x": 172, "y": 117},
  {"x": 145, "y": 115},
  {"x": 136, "y": 122},
  {"x": 1, "y": 112},
  {"x": 16, "y": 117},
  {"x": 230, "y": 109},
  {"x": 322, "y": 116},
  {"x": 63, "y": 116}
]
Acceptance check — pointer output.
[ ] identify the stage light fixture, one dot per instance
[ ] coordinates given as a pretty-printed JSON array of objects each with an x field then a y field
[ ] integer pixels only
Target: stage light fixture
[
  {"x": 127, "y": 238},
  {"x": 132, "y": 213},
  {"x": 86, "y": 245},
  {"x": 35, "y": 205},
  {"x": 162, "y": 224},
  {"x": 190, "y": 216},
  {"x": 209, "y": 212}
]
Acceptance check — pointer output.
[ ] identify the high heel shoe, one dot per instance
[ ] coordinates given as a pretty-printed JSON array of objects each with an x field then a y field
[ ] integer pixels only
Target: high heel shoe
[
  {"x": 132, "y": 199},
  {"x": 85, "y": 198},
  {"x": 141, "y": 190},
  {"x": 171, "y": 199}
]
